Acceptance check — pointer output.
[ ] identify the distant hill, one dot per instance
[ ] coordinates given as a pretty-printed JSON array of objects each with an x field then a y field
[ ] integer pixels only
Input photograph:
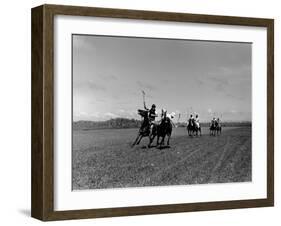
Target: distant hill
[{"x": 116, "y": 123}]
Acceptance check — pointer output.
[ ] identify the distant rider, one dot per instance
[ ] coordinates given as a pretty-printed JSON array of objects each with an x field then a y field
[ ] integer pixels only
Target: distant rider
[
  {"x": 163, "y": 114},
  {"x": 218, "y": 122},
  {"x": 191, "y": 119},
  {"x": 213, "y": 122},
  {"x": 170, "y": 116},
  {"x": 197, "y": 121}
]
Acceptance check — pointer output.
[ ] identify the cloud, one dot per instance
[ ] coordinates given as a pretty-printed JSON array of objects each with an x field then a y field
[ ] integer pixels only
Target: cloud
[
  {"x": 81, "y": 115},
  {"x": 110, "y": 114},
  {"x": 127, "y": 113}
]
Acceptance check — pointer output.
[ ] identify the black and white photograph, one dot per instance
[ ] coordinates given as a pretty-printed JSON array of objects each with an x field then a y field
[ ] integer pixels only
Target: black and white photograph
[{"x": 160, "y": 112}]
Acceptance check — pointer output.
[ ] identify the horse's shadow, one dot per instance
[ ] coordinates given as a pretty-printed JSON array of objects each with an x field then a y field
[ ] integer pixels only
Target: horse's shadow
[
  {"x": 163, "y": 147},
  {"x": 160, "y": 147},
  {"x": 152, "y": 146}
]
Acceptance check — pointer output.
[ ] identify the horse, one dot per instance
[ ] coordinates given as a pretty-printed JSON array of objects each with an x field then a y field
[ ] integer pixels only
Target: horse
[
  {"x": 144, "y": 130},
  {"x": 190, "y": 126},
  {"x": 219, "y": 128},
  {"x": 213, "y": 128},
  {"x": 197, "y": 128},
  {"x": 193, "y": 127},
  {"x": 161, "y": 130}
]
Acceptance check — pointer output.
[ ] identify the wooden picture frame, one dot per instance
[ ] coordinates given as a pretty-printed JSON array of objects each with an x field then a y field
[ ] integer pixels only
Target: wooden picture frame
[{"x": 42, "y": 203}]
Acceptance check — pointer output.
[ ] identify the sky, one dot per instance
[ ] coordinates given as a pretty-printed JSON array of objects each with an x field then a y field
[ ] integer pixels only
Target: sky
[{"x": 183, "y": 76}]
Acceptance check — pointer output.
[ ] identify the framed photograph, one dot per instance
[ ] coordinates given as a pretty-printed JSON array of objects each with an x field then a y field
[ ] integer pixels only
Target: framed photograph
[{"x": 142, "y": 112}]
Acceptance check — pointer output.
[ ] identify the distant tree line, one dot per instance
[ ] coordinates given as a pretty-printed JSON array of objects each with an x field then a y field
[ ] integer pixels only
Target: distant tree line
[
  {"x": 120, "y": 123},
  {"x": 116, "y": 123}
]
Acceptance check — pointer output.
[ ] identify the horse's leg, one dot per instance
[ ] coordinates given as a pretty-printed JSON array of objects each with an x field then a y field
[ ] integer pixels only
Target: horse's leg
[
  {"x": 157, "y": 140},
  {"x": 168, "y": 141},
  {"x": 136, "y": 140},
  {"x": 140, "y": 139},
  {"x": 162, "y": 141},
  {"x": 151, "y": 138}
]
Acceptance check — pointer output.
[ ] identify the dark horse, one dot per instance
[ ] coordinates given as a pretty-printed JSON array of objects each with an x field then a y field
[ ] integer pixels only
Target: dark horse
[
  {"x": 144, "y": 130},
  {"x": 215, "y": 128},
  {"x": 161, "y": 130},
  {"x": 192, "y": 128},
  {"x": 219, "y": 128}
]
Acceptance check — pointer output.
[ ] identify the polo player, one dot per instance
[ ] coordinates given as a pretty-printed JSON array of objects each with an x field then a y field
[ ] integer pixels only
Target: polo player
[
  {"x": 152, "y": 114},
  {"x": 197, "y": 121},
  {"x": 191, "y": 119},
  {"x": 218, "y": 121}
]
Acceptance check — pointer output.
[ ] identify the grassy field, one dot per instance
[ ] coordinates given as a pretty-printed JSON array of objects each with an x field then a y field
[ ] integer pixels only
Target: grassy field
[{"x": 104, "y": 159}]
